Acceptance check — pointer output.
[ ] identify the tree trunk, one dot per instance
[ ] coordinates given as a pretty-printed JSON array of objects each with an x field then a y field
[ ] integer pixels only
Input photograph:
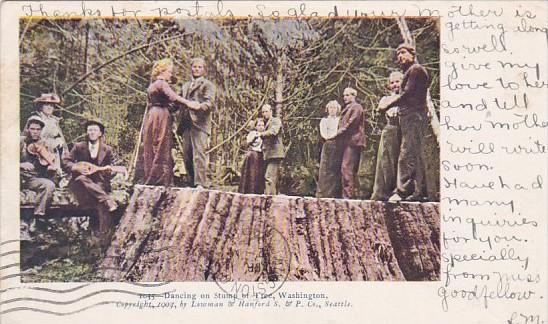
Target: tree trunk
[
  {"x": 279, "y": 86},
  {"x": 183, "y": 234}
]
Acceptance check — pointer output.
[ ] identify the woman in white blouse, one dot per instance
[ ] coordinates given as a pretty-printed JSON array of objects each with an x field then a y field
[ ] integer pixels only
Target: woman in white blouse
[{"x": 329, "y": 180}]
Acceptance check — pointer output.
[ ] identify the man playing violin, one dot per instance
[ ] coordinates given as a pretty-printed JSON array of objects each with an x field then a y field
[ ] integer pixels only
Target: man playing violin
[
  {"x": 36, "y": 171},
  {"x": 91, "y": 185}
]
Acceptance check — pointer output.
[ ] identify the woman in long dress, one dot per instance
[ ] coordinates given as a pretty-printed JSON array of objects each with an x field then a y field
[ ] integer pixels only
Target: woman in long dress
[
  {"x": 252, "y": 177},
  {"x": 329, "y": 180},
  {"x": 157, "y": 130},
  {"x": 386, "y": 173}
]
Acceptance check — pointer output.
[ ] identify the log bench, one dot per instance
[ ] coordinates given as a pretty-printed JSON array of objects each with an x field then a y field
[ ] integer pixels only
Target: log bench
[{"x": 64, "y": 203}]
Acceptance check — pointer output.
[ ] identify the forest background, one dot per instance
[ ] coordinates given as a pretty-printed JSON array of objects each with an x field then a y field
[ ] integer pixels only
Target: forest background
[{"x": 101, "y": 69}]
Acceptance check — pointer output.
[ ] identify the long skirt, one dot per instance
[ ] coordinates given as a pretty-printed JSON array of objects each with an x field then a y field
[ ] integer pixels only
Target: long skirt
[
  {"x": 252, "y": 179},
  {"x": 329, "y": 180},
  {"x": 386, "y": 173},
  {"x": 157, "y": 144}
]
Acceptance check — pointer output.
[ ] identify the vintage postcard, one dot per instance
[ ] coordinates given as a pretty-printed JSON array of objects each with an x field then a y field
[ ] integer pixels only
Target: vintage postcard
[
  {"x": 237, "y": 159},
  {"x": 233, "y": 103}
]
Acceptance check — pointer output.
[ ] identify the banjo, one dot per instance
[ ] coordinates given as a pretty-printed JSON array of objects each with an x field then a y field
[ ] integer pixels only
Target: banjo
[{"x": 88, "y": 168}]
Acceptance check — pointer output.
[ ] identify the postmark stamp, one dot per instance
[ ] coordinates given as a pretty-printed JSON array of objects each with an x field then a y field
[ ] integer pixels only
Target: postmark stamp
[{"x": 268, "y": 271}]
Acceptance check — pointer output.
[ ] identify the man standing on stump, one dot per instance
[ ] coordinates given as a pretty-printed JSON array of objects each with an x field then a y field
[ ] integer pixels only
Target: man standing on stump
[
  {"x": 412, "y": 116},
  {"x": 386, "y": 172},
  {"x": 351, "y": 136},
  {"x": 196, "y": 123},
  {"x": 273, "y": 149}
]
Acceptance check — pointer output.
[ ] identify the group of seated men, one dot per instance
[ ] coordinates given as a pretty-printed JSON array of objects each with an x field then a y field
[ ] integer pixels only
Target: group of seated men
[{"x": 89, "y": 165}]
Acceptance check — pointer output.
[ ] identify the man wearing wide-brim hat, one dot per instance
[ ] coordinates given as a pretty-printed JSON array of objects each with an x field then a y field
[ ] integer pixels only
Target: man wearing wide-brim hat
[
  {"x": 52, "y": 135},
  {"x": 91, "y": 189}
]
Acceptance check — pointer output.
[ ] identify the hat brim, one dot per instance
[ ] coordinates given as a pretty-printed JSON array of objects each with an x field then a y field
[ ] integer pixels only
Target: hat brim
[
  {"x": 47, "y": 100},
  {"x": 35, "y": 121},
  {"x": 409, "y": 48},
  {"x": 93, "y": 122}
]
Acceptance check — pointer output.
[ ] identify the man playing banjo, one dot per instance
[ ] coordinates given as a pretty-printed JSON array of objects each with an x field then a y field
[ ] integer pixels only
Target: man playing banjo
[{"x": 90, "y": 163}]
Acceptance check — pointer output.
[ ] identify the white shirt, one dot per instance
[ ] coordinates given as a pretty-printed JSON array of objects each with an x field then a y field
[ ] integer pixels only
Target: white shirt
[
  {"x": 329, "y": 126},
  {"x": 93, "y": 149},
  {"x": 254, "y": 141}
]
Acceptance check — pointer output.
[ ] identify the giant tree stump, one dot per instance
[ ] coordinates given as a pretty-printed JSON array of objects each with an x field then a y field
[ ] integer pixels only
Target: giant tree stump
[{"x": 184, "y": 234}]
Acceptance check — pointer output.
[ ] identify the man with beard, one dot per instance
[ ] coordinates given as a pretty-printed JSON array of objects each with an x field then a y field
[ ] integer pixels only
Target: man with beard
[
  {"x": 412, "y": 116},
  {"x": 351, "y": 136},
  {"x": 91, "y": 188},
  {"x": 195, "y": 125}
]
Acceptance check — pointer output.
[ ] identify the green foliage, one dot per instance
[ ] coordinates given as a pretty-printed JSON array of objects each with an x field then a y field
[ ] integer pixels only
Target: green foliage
[
  {"x": 61, "y": 270},
  {"x": 60, "y": 251},
  {"x": 300, "y": 180},
  {"x": 317, "y": 59}
]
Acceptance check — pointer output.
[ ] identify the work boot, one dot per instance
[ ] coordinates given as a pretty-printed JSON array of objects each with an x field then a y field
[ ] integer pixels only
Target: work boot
[
  {"x": 414, "y": 198},
  {"x": 394, "y": 198}
]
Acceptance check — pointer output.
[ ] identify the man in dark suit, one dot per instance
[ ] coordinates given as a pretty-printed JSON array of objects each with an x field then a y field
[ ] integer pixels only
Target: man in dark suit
[
  {"x": 273, "y": 149},
  {"x": 91, "y": 189},
  {"x": 195, "y": 124},
  {"x": 351, "y": 136}
]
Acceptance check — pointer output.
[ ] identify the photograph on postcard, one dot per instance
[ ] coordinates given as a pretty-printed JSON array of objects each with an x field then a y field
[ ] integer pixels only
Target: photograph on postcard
[{"x": 229, "y": 149}]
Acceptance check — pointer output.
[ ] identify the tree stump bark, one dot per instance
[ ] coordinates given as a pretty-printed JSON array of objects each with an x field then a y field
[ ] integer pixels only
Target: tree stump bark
[{"x": 184, "y": 234}]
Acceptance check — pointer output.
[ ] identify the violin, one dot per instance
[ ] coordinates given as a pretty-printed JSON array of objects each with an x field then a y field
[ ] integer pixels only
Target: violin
[{"x": 45, "y": 156}]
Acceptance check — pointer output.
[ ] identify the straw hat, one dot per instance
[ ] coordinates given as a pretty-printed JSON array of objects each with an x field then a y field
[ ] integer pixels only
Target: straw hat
[{"x": 48, "y": 98}]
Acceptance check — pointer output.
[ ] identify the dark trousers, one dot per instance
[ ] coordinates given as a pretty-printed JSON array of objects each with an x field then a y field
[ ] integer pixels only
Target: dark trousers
[
  {"x": 410, "y": 163},
  {"x": 349, "y": 171},
  {"x": 92, "y": 195}
]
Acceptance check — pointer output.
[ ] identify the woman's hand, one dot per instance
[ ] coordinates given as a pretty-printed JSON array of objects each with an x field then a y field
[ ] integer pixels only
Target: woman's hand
[
  {"x": 383, "y": 105},
  {"x": 194, "y": 105}
]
